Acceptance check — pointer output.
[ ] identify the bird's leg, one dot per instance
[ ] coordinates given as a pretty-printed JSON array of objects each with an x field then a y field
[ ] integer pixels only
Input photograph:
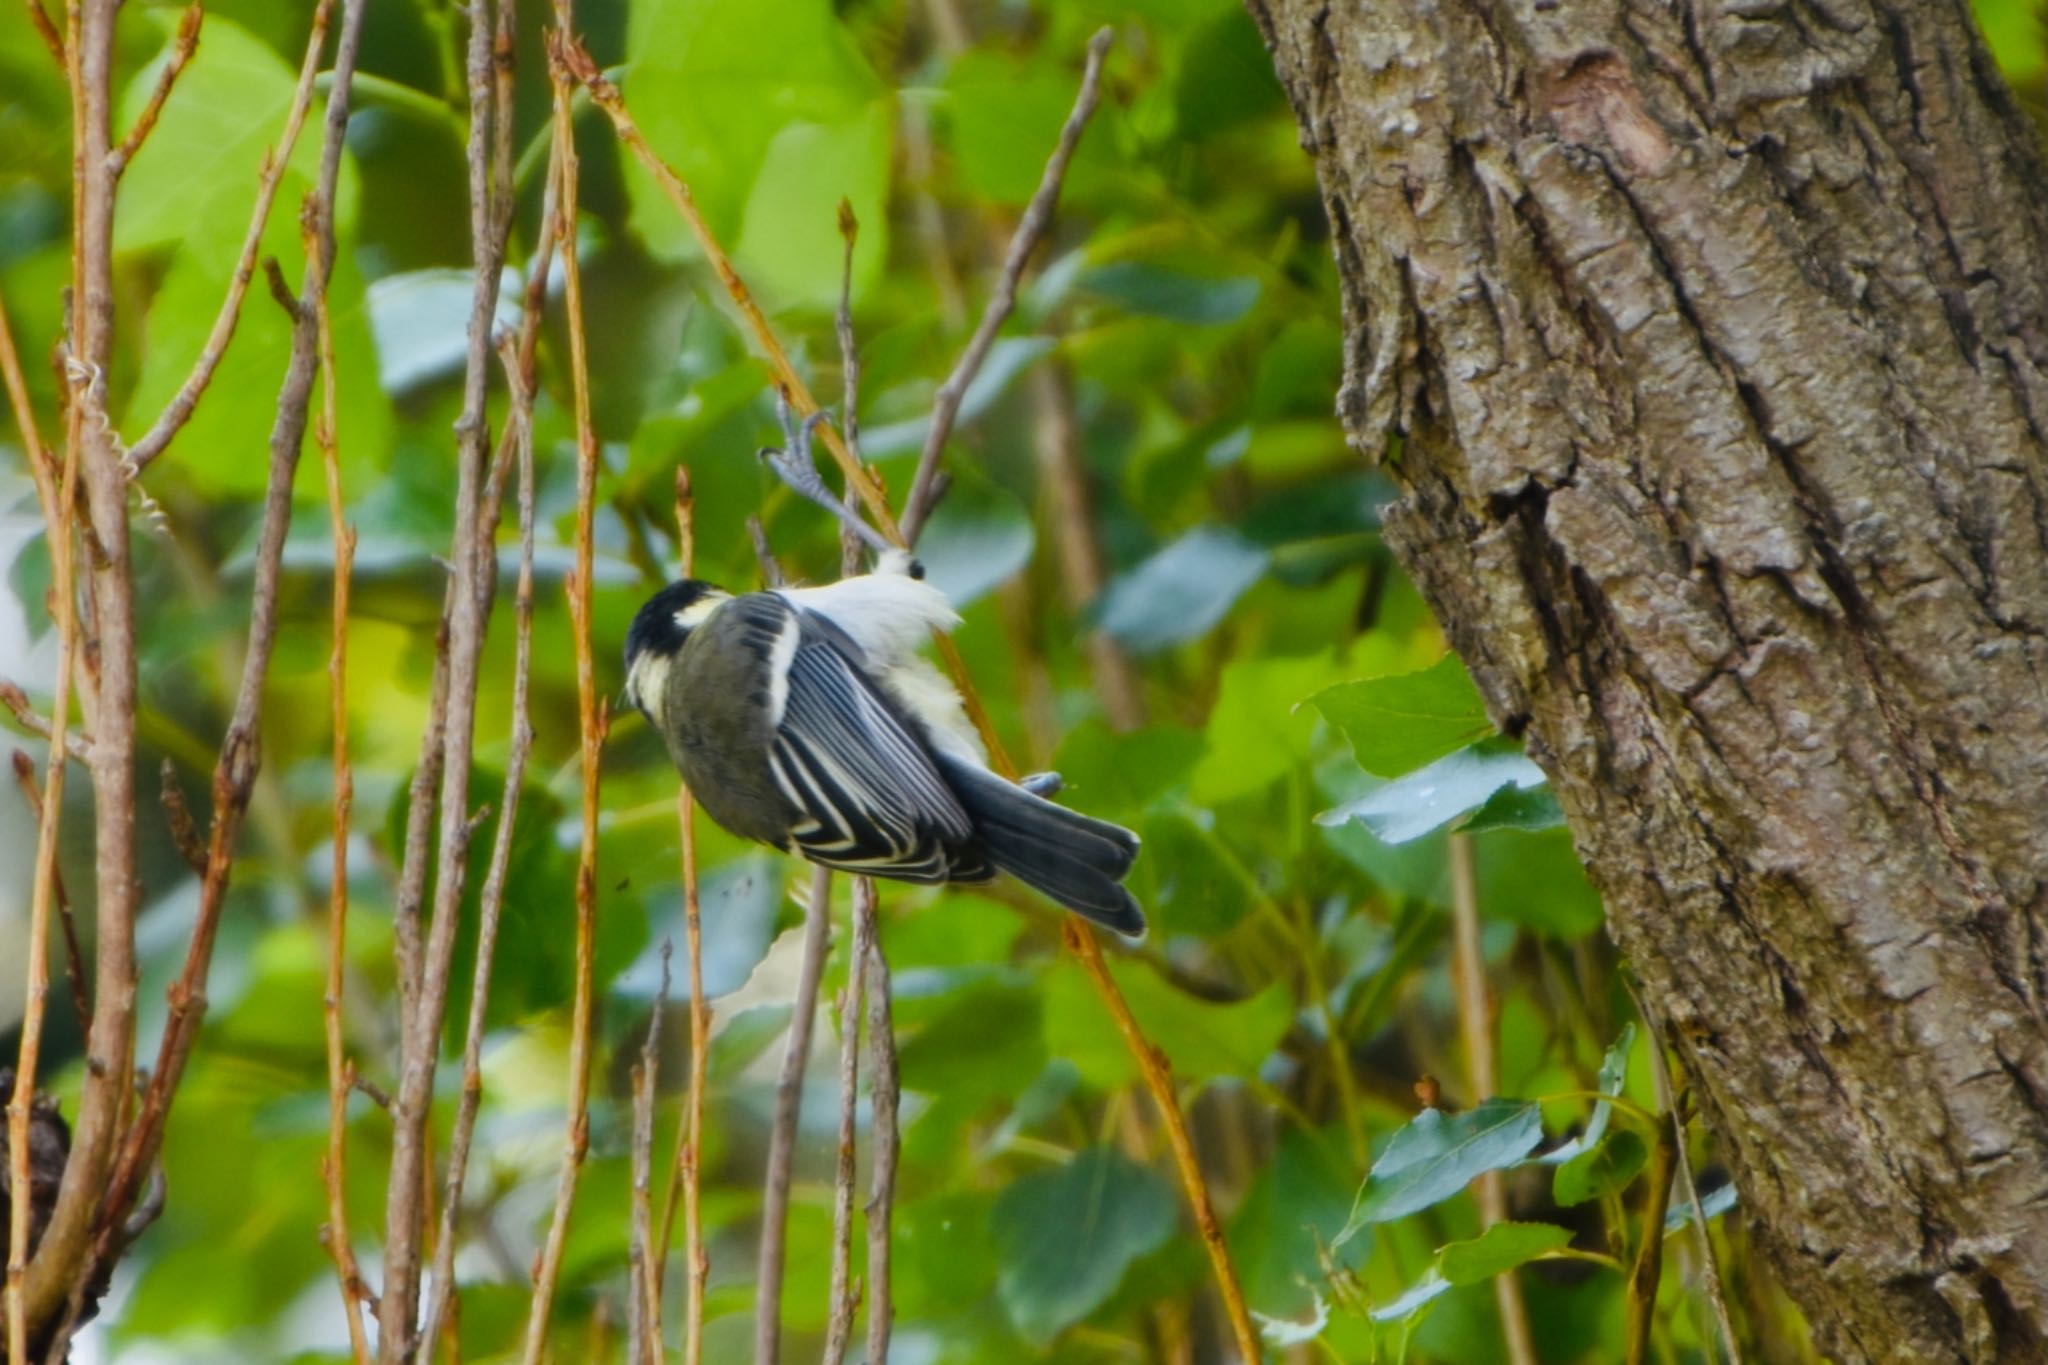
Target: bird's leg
[
  {"x": 795, "y": 466},
  {"x": 1042, "y": 784}
]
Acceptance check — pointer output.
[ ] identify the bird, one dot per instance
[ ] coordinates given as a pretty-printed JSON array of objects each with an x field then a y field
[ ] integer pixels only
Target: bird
[{"x": 806, "y": 718}]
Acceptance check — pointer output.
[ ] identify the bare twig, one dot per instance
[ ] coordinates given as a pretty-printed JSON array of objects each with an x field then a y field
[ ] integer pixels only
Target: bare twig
[
  {"x": 74, "y": 959},
  {"x": 179, "y": 410},
  {"x": 882, "y": 1102},
  {"x": 1667, "y": 1100},
  {"x": 43, "y": 889},
  {"x": 41, "y": 466},
  {"x": 334, "y": 1168},
  {"x": 1037, "y": 215},
  {"x": 39, "y": 19},
  {"x": 686, "y": 1172},
  {"x": 782, "y": 1135},
  {"x": 1158, "y": 1077},
  {"x": 182, "y": 47},
  {"x": 764, "y": 554},
  {"x": 1475, "y": 1021},
  {"x": 845, "y": 1294},
  {"x": 1649, "y": 1266},
  {"x": 643, "y": 1299},
  {"x": 17, "y": 704},
  {"x": 425, "y": 966},
  {"x": 490, "y": 910},
  {"x": 185, "y": 836},
  {"x": 590, "y": 711}
]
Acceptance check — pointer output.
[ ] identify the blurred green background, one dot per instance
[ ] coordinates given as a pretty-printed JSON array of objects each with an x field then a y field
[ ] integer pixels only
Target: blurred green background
[{"x": 1178, "y": 349}]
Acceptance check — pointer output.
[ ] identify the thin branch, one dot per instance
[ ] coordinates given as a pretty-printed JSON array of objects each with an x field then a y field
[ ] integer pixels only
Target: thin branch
[
  {"x": 39, "y": 19},
  {"x": 334, "y": 1169},
  {"x": 182, "y": 47},
  {"x": 686, "y": 1173},
  {"x": 883, "y": 1094},
  {"x": 1152, "y": 1064},
  {"x": 1667, "y": 1100},
  {"x": 764, "y": 555},
  {"x": 43, "y": 888},
  {"x": 1649, "y": 1265},
  {"x": 490, "y": 910},
  {"x": 1030, "y": 228},
  {"x": 179, "y": 410},
  {"x": 782, "y": 1135},
  {"x": 234, "y": 775},
  {"x": 1475, "y": 1021},
  {"x": 74, "y": 956},
  {"x": 643, "y": 1299},
  {"x": 845, "y": 1294},
  {"x": 178, "y": 817},
  {"x": 591, "y": 713},
  {"x": 425, "y": 966},
  {"x": 41, "y": 466},
  {"x": 33, "y": 722}
]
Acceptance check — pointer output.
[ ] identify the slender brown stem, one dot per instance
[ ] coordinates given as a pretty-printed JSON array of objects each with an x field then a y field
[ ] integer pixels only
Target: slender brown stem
[
  {"x": 643, "y": 1298},
  {"x": 1475, "y": 1020},
  {"x": 334, "y": 1168},
  {"x": 179, "y": 410},
  {"x": 782, "y": 1134},
  {"x": 74, "y": 958},
  {"x": 1030, "y": 228},
  {"x": 1649, "y": 1265},
  {"x": 42, "y": 467},
  {"x": 42, "y": 890},
  {"x": 883, "y": 1094},
  {"x": 697, "y": 1259},
  {"x": 845, "y": 1293},
  {"x": 39, "y": 19},
  {"x": 182, "y": 47},
  {"x": 16, "y": 703},
  {"x": 590, "y": 710},
  {"x": 241, "y": 747}
]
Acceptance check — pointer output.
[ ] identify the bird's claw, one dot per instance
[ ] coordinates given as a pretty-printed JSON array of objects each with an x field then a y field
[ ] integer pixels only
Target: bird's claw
[
  {"x": 796, "y": 467},
  {"x": 1042, "y": 784}
]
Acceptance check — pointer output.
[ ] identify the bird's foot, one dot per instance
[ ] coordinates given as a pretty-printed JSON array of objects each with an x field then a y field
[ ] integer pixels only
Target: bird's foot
[{"x": 796, "y": 467}]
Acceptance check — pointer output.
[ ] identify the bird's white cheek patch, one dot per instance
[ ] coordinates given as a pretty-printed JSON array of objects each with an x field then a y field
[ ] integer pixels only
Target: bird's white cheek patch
[{"x": 647, "y": 684}]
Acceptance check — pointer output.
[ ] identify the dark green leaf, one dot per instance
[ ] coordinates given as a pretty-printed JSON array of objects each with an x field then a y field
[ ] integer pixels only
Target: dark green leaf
[
  {"x": 1604, "y": 1168},
  {"x": 1433, "y": 796},
  {"x": 1064, "y": 1237},
  {"x": 1500, "y": 1248},
  {"x": 1397, "y": 724},
  {"x": 1436, "y": 1155}
]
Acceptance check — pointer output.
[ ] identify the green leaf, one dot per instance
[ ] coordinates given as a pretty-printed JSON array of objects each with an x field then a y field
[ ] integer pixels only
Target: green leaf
[
  {"x": 1117, "y": 775},
  {"x": 1436, "y": 1155},
  {"x": 1532, "y": 808},
  {"x": 1537, "y": 881},
  {"x": 1254, "y": 737},
  {"x": 1500, "y": 1248},
  {"x": 1398, "y": 724},
  {"x": 789, "y": 247},
  {"x": 1004, "y": 117},
  {"x": 979, "y": 538},
  {"x": 1065, "y": 1237},
  {"x": 1181, "y": 592},
  {"x": 1420, "y": 1295},
  {"x": 1613, "y": 1072},
  {"x": 1602, "y": 1169},
  {"x": 1432, "y": 796},
  {"x": 1143, "y": 287}
]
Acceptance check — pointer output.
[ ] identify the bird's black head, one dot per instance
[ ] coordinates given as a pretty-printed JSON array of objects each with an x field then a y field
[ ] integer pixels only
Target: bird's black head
[{"x": 658, "y": 631}]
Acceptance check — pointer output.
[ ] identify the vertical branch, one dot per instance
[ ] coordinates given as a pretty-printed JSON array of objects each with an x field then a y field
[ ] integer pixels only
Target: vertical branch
[
  {"x": 686, "y": 1172},
  {"x": 334, "y": 1167},
  {"x": 90, "y": 446},
  {"x": 845, "y": 1293},
  {"x": 424, "y": 969},
  {"x": 782, "y": 1134},
  {"x": 882, "y": 1101},
  {"x": 1649, "y": 1267},
  {"x": 74, "y": 957},
  {"x": 235, "y": 771},
  {"x": 519, "y": 431},
  {"x": 1475, "y": 1022},
  {"x": 590, "y": 712},
  {"x": 643, "y": 1296}
]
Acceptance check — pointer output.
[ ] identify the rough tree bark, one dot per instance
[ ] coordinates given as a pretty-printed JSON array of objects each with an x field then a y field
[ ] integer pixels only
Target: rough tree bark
[{"x": 1716, "y": 334}]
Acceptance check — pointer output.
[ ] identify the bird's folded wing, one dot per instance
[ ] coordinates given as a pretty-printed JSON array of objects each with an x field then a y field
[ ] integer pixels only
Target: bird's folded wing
[{"x": 871, "y": 796}]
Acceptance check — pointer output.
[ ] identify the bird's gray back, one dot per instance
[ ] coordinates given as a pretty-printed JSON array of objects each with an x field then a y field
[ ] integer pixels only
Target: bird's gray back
[{"x": 719, "y": 684}]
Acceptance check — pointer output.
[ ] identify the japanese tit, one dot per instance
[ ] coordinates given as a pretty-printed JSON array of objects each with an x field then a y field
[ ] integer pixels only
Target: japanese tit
[{"x": 805, "y": 718}]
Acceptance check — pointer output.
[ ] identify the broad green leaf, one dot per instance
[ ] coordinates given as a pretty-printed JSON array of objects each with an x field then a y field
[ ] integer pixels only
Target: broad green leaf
[
  {"x": 1432, "y": 796},
  {"x": 1398, "y": 724},
  {"x": 1007, "y": 359},
  {"x": 1537, "y": 881},
  {"x": 1254, "y": 737},
  {"x": 1603, "y": 1168},
  {"x": 1181, "y": 592},
  {"x": 1003, "y": 117},
  {"x": 979, "y": 538},
  {"x": 1296, "y": 1204},
  {"x": 1117, "y": 776},
  {"x": 1064, "y": 1237},
  {"x": 789, "y": 247},
  {"x": 1142, "y": 287},
  {"x": 1532, "y": 808},
  {"x": 421, "y": 322},
  {"x": 1500, "y": 1248},
  {"x": 1436, "y": 1155},
  {"x": 1195, "y": 888}
]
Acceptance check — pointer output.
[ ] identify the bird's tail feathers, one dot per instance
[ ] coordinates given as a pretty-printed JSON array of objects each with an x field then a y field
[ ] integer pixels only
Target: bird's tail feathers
[{"x": 1075, "y": 859}]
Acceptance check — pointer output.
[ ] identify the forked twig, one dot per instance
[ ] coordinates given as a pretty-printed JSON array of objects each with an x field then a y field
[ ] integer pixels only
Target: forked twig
[{"x": 182, "y": 47}]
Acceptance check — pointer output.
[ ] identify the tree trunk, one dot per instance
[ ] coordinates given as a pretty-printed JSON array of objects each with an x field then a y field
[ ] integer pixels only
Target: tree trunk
[{"x": 1716, "y": 335}]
